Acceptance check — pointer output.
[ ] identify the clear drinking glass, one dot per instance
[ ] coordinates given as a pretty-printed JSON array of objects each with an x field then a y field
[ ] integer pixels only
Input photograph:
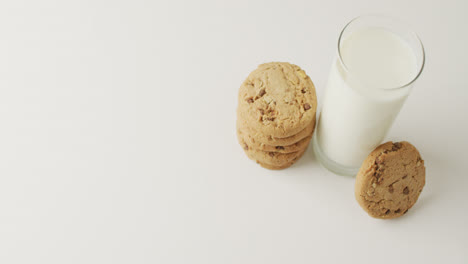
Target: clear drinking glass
[{"x": 377, "y": 63}]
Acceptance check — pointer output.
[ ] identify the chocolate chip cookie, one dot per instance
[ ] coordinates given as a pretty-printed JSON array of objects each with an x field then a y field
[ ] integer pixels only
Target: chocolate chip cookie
[
  {"x": 274, "y": 160},
  {"x": 256, "y": 145},
  {"x": 277, "y": 99},
  {"x": 390, "y": 180},
  {"x": 276, "y": 141}
]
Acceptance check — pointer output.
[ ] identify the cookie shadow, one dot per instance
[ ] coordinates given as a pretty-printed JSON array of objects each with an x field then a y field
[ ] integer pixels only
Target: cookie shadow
[{"x": 423, "y": 202}]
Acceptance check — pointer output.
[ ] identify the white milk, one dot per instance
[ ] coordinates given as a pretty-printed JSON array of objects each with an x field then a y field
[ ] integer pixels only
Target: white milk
[{"x": 359, "y": 105}]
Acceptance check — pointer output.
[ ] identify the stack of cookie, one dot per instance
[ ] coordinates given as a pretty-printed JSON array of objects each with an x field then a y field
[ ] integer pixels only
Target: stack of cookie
[{"x": 276, "y": 114}]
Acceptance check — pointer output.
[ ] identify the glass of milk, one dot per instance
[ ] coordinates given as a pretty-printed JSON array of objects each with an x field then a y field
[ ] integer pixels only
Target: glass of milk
[{"x": 377, "y": 63}]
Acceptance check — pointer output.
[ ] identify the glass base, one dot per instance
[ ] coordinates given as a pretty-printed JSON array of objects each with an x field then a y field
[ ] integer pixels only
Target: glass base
[{"x": 330, "y": 164}]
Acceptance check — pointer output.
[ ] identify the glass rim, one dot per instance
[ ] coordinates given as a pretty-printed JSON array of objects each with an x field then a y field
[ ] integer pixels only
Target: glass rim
[{"x": 409, "y": 30}]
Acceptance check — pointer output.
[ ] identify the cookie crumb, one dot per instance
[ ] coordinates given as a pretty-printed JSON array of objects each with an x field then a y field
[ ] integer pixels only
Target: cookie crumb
[
  {"x": 418, "y": 163},
  {"x": 301, "y": 74}
]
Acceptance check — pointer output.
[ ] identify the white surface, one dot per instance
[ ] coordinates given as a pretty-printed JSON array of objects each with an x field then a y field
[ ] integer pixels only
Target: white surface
[{"x": 118, "y": 136}]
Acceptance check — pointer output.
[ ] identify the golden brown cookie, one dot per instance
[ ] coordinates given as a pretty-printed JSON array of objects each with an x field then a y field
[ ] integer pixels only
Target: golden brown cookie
[
  {"x": 273, "y": 159},
  {"x": 298, "y": 146},
  {"x": 277, "y": 99},
  {"x": 390, "y": 180},
  {"x": 274, "y": 141}
]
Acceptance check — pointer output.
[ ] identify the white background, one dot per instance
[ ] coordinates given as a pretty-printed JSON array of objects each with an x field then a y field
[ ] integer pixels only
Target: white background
[{"x": 118, "y": 145}]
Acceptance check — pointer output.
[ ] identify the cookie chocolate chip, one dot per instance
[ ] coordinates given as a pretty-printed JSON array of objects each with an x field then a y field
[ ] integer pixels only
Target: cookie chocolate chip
[{"x": 383, "y": 188}]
